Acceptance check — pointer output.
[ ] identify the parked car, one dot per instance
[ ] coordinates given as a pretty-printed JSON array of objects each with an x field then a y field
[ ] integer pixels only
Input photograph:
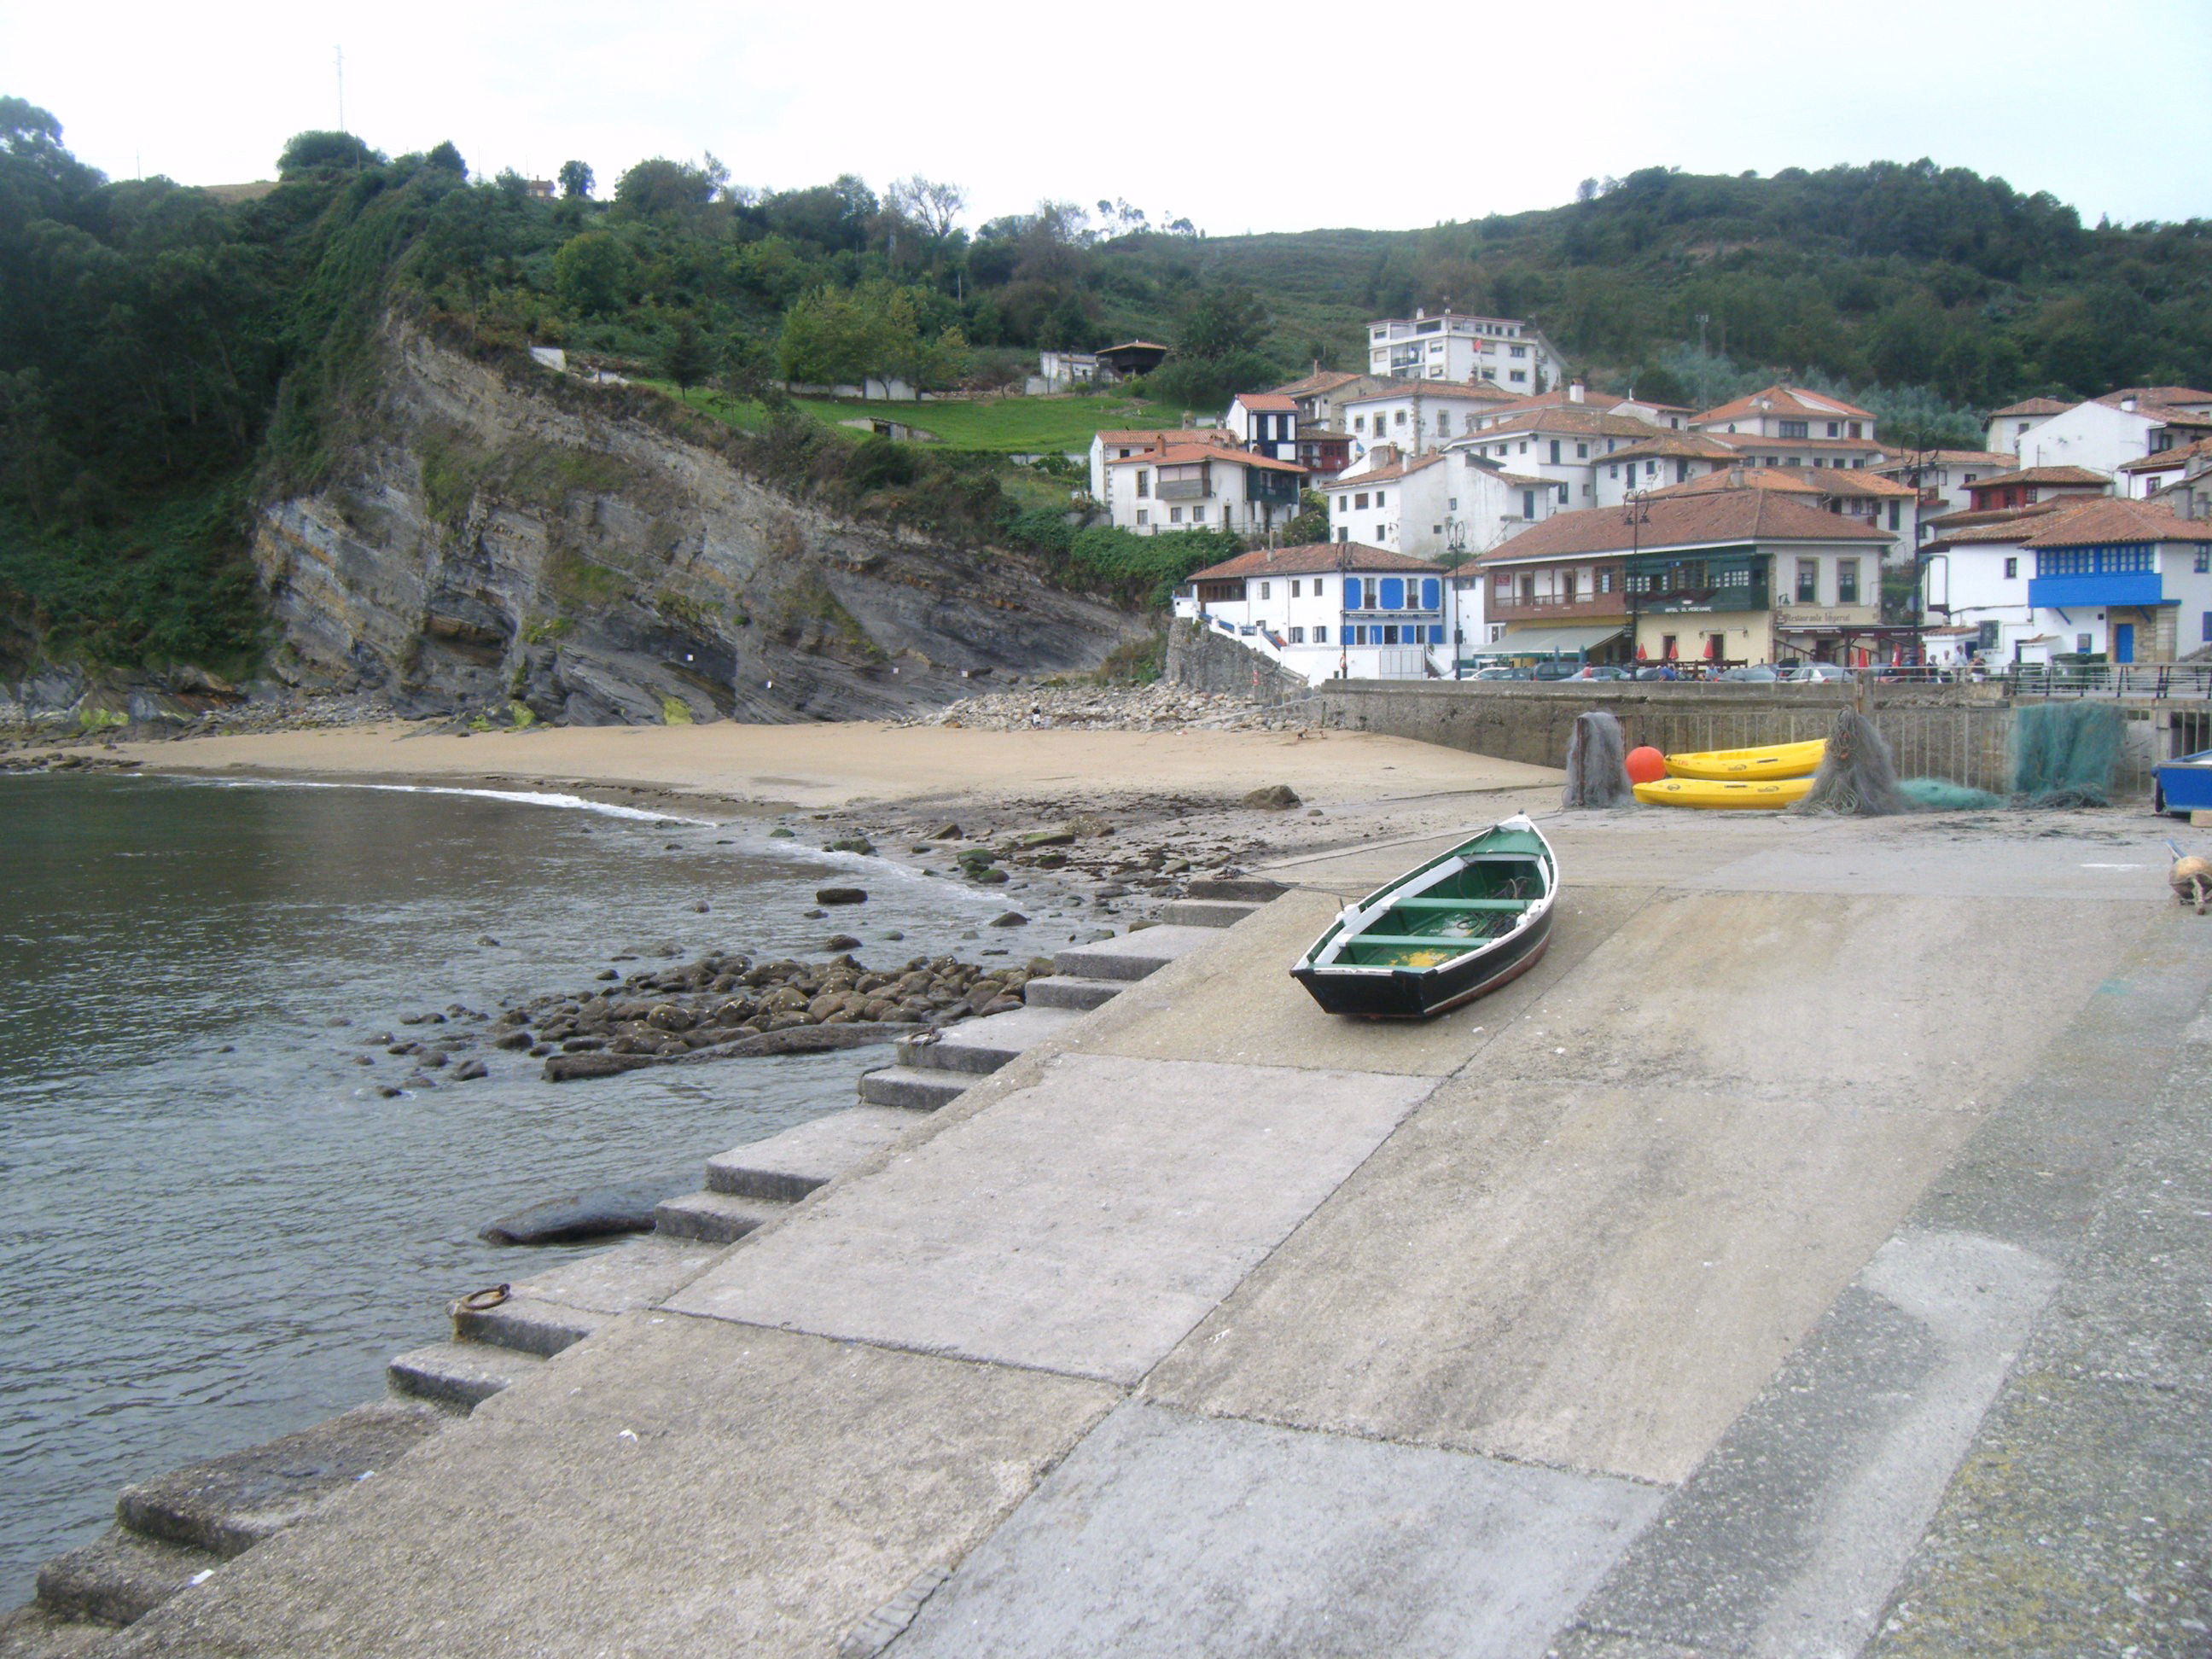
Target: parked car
[
  {"x": 1500, "y": 674},
  {"x": 1754, "y": 672},
  {"x": 1555, "y": 668},
  {"x": 1814, "y": 673},
  {"x": 1599, "y": 671}
]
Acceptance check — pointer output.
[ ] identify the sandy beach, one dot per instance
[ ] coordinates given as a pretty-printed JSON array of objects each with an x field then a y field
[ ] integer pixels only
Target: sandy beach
[{"x": 844, "y": 766}]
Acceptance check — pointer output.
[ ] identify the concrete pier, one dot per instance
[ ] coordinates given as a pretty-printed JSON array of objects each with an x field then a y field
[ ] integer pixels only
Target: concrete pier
[{"x": 1807, "y": 1256}]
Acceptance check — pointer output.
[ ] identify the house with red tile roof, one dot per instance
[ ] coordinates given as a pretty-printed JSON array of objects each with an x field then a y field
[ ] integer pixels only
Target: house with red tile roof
[
  {"x": 1201, "y": 486},
  {"x": 2024, "y": 486},
  {"x": 1414, "y": 416},
  {"x": 1749, "y": 574},
  {"x": 1266, "y": 422},
  {"x": 2102, "y": 435},
  {"x": 1789, "y": 426},
  {"x": 1113, "y": 445},
  {"x": 1943, "y": 476},
  {"x": 1444, "y": 505},
  {"x": 1326, "y": 609},
  {"x": 2009, "y": 426}
]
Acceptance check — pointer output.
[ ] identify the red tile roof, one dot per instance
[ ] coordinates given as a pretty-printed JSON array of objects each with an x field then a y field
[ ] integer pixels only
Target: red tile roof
[
  {"x": 2149, "y": 399},
  {"x": 1951, "y": 457},
  {"x": 2032, "y": 406},
  {"x": 1327, "y": 379},
  {"x": 1733, "y": 515},
  {"x": 1187, "y": 455},
  {"x": 1459, "y": 389},
  {"x": 2010, "y": 524},
  {"x": 1753, "y": 440},
  {"x": 2167, "y": 460},
  {"x": 1384, "y": 474},
  {"x": 1785, "y": 400},
  {"x": 1316, "y": 558},
  {"x": 1157, "y": 436},
  {"x": 2118, "y": 520},
  {"x": 1698, "y": 446},
  {"x": 1576, "y": 421},
  {"x": 1273, "y": 402},
  {"x": 2044, "y": 475}
]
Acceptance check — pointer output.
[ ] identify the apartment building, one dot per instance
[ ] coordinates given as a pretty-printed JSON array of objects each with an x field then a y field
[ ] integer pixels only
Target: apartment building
[{"x": 1454, "y": 346}]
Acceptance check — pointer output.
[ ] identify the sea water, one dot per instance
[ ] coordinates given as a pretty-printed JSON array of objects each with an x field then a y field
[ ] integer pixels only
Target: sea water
[{"x": 213, "y": 1229}]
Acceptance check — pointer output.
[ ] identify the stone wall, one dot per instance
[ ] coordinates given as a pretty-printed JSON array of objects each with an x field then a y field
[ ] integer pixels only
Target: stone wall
[
  {"x": 1207, "y": 659},
  {"x": 1959, "y": 732}
]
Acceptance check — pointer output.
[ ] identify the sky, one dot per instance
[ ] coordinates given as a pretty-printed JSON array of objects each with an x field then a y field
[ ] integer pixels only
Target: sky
[{"x": 1312, "y": 118}]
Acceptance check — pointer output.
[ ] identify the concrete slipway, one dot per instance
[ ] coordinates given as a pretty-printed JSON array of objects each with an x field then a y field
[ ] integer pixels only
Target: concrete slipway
[{"x": 1810, "y": 1257}]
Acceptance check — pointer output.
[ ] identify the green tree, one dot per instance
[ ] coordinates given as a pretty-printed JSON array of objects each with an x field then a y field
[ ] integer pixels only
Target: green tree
[
  {"x": 445, "y": 155},
  {"x": 576, "y": 181},
  {"x": 659, "y": 187},
  {"x": 310, "y": 150},
  {"x": 1226, "y": 318},
  {"x": 592, "y": 272},
  {"x": 686, "y": 358}
]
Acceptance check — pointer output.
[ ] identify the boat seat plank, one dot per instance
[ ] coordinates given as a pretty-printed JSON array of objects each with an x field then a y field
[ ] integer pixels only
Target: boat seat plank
[
  {"x": 1460, "y": 904},
  {"x": 1419, "y": 941}
]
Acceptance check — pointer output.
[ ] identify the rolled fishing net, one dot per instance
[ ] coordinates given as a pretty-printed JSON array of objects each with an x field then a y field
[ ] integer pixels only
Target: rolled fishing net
[
  {"x": 1856, "y": 777},
  {"x": 1597, "y": 770},
  {"x": 1940, "y": 795},
  {"x": 2063, "y": 754}
]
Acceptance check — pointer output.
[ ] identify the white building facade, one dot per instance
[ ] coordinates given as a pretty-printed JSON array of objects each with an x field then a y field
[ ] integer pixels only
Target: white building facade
[
  {"x": 1451, "y": 346},
  {"x": 1325, "y": 611},
  {"x": 1201, "y": 487}
]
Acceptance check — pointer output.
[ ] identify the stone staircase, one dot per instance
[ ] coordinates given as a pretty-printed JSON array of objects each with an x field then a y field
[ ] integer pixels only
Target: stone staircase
[{"x": 172, "y": 1532}]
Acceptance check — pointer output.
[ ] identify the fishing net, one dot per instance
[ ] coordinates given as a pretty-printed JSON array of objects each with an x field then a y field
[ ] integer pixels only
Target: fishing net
[
  {"x": 1597, "y": 771},
  {"x": 1856, "y": 776},
  {"x": 2063, "y": 754},
  {"x": 1940, "y": 795}
]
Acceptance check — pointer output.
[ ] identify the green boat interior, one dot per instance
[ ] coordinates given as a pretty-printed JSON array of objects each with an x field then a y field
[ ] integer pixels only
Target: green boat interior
[{"x": 1483, "y": 900}]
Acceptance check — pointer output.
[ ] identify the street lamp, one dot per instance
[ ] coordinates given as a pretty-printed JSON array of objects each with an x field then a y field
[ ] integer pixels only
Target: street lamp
[{"x": 1635, "y": 512}]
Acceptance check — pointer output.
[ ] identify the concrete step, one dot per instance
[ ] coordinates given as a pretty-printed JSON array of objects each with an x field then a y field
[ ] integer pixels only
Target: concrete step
[
  {"x": 713, "y": 1217},
  {"x": 32, "y": 1632},
  {"x": 1131, "y": 956},
  {"x": 982, "y": 1046},
  {"x": 227, "y": 1504},
  {"x": 783, "y": 1168},
  {"x": 1244, "y": 890},
  {"x": 120, "y": 1578},
  {"x": 460, "y": 1375},
  {"x": 1206, "y": 912},
  {"x": 637, "y": 1272},
  {"x": 1065, "y": 991},
  {"x": 524, "y": 1324},
  {"x": 912, "y": 1090}
]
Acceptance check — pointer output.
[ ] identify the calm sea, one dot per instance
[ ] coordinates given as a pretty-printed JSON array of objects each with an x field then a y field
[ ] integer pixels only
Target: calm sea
[{"x": 212, "y": 1230}]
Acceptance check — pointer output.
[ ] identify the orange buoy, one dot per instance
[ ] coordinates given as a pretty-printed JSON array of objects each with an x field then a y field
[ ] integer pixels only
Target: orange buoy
[{"x": 1646, "y": 765}]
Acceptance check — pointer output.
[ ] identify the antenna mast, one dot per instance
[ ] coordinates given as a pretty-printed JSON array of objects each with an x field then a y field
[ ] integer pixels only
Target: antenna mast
[{"x": 341, "y": 63}]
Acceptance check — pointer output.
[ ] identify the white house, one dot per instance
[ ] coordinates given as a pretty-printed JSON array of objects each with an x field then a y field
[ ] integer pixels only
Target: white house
[
  {"x": 1061, "y": 371},
  {"x": 2103, "y": 433},
  {"x": 1435, "y": 505},
  {"x": 1364, "y": 612},
  {"x": 1195, "y": 486},
  {"x": 1452, "y": 346},
  {"x": 1318, "y": 394},
  {"x": 2124, "y": 579},
  {"x": 1416, "y": 417},
  {"x": 1578, "y": 395},
  {"x": 1655, "y": 463},
  {"x": 1565, "y": 445},
  {"x": 1788, "y": 426},
  {"x": 1111, "y": 446},
  {"x": 1266, "y": 422},
  {"x": 2009, "y": 426}
]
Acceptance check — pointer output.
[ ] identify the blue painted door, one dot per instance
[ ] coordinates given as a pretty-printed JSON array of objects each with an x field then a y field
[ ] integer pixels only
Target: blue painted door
[{"x": 2124, "y": 641}]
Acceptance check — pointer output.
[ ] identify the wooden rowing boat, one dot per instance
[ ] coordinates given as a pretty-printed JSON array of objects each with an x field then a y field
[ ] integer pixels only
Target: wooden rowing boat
[
  {"x": 1776, "y": 760},
  {"x": 1462, "y": 924},
  {"x": 1770, "y": 794}
]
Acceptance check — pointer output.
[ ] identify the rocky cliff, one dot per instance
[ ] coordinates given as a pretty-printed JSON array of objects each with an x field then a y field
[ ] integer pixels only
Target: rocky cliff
[{"x": 490, "y": 538}]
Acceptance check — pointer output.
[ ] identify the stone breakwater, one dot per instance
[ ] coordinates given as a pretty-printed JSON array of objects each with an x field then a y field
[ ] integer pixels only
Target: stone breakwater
[{"x": 1157, "y": 708}]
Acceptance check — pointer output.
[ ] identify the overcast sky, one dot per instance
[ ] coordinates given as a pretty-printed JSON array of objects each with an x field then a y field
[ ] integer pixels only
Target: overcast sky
[{"x": 1325, "y": 115}]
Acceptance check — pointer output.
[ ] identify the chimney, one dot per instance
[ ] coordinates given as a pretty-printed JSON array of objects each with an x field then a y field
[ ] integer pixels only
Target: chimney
[
  {"x": 2127, "y": 405},
  {"x": 1575, "y": 392}
]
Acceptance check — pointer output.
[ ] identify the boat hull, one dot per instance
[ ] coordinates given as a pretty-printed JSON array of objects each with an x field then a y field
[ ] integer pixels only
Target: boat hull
[
  {"x": 1766, "y": 794},
  {"x": 1778, "y": 760},
  {"x": 1424, "y": 993}
]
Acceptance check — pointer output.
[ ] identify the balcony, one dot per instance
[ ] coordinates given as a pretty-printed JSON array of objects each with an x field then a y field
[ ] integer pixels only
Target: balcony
[
  {"x": 2104, "y": 589},
  {"x": 1508, "y": 606},
  {"x": 1179, "y": 490},
  {"x": 1732, "y": 596}
]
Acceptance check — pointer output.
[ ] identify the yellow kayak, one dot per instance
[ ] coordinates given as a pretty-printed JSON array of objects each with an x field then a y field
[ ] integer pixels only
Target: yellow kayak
[
  {"x": 1771, "y": 793},
  {"x": 1780, "y": 760}
]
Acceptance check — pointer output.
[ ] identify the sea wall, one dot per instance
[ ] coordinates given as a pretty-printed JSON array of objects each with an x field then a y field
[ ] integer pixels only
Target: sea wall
[
  {"x": 1959, "y": 732},
  {"x": 1207, "y": 659}
]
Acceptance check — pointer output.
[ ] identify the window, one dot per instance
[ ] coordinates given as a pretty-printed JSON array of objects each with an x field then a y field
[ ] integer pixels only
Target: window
[
  {"x": 1393, "y": 594},
  {"x": 1267, "y": 590},
  {"x": 1360, "y": 502},
  {"x": 1389, "y": 633},
  {"x": 1605, "y": 580},
  {"x": 1847, "y": 581},
  {"x": 1436, "y": 633},
  {"x": 1794, "y": 429},
  {"x": 1563, "y": 495},
  {"x": 1198, "y": 515},
  {"x": 1297, "y": 636},
  {"x": 2203, "y": 560},
  {"x": 1143, "y": 482},
  {"x": 1833, "y": 428},
  {"x": 2208, "y": 626},
  {"x": 1896, "y": 516},
  {"x": 1174, "y": 515},
  {"x": 2081, "y": 643},
  {"x": 1142, "y": 517},
  {"x": 1517, "y": 352},
  {"x": 1528, "y": 503},
  {"x": 1320, "y": 587},
  {"x": 1343, "y": 504},
  {"x": 1359, "y": 423},
  {"x": 1614, "y": 472},
  {"x": 1343, "y": 532},
  {"x": 1294, "y": 588},
  {"x": 1521, "y": 375},
  {"x": 1321, "y": 637},
  {"x": 1432, "y": 593},
  {"x": 1651, "y": 469},
  {"x": 1855, "y": 429},
  {"x": 1452, "y": 506},
  {"x": 1379, "y": 498},
  {"x": 1555, "y": 452},
  {"x": 1400, "y": 417},
  {"x": 2012, "y": 569},
  {"x": 1809, "y": 582}
]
